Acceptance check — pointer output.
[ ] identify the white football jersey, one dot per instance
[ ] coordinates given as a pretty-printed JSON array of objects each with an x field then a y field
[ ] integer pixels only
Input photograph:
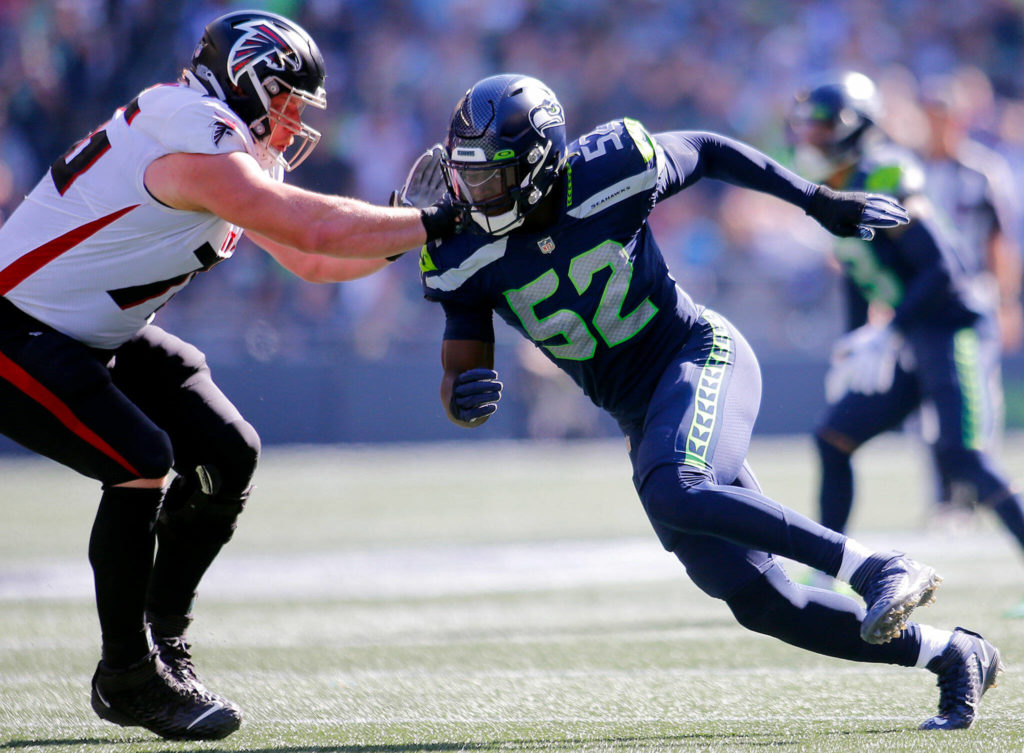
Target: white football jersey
[{"x": 89, "y": 251}]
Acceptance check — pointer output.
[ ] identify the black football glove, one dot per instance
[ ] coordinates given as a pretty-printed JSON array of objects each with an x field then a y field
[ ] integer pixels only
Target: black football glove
[
  {"x": 475, "y": 395},
  {"x": 851, "y": 214},
  {"x": 442, "y": 219}
]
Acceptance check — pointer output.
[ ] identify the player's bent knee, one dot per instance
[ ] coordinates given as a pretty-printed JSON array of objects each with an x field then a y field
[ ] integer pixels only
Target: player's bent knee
[
  {"x": 236, "y": 456},
  {"x": 150, "y": 460},
  {"x": 197, "y": 500},
  {"x": 831, "y": 442},
  {"x": 760, "y": 604}
]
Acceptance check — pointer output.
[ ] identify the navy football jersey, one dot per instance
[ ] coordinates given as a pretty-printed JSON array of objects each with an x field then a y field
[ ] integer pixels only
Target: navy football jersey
[
  {"x": 591, "y": 289},
  {"x": 918, "y": 271}
]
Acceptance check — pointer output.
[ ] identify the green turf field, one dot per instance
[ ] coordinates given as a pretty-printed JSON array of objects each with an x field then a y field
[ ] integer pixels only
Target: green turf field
[{"x": 492, "y": 597}]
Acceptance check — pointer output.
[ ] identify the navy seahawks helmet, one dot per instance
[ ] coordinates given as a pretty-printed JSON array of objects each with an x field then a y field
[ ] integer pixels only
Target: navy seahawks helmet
[
  {"x": 504, "y": 151},
  {"x": 828, "y": 123},
  {"x": 248, "y": 57}
]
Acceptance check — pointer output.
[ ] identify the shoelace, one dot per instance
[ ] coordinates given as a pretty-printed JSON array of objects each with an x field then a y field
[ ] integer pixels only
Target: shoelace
[{"x": 178, "y": 653}]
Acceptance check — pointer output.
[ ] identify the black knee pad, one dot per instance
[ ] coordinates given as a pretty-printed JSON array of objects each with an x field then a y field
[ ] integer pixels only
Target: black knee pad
[{"x": 195, "y": 501}]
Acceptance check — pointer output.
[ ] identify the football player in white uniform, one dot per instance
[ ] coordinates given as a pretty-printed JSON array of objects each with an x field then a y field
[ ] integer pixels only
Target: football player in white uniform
[{"x": 120, "y": 223}]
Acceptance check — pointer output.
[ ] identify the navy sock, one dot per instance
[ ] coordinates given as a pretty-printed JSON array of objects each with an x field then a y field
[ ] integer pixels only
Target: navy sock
[
  {"x": 835, "y": 498},
  {"x": 1011, "y": 513}
]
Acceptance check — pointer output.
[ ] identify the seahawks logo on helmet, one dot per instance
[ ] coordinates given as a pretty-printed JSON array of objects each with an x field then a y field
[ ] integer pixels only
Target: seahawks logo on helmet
[
  {"x": 546, "y": 115},
  {"x": 261, "y": 43}
]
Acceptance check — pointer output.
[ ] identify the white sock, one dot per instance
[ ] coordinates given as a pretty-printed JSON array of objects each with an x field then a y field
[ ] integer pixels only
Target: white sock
[
  {"x": 933, "y": 643},
  {"x": 854, "y": 555}
]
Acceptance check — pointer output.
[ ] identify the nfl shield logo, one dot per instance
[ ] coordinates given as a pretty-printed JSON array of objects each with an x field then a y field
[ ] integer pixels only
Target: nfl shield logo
[{"x": 546, "y": 245}]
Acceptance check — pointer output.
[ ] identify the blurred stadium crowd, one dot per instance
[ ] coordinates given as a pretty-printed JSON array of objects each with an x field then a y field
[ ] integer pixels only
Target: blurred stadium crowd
[{"x": 397, "y": 67}]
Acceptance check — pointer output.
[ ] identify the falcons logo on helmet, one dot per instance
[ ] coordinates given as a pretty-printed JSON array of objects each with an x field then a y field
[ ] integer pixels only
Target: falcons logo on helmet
[{"x": 261, "y": 43}]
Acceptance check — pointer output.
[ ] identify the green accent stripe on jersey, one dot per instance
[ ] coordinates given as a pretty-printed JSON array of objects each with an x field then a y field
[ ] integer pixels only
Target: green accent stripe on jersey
[
  {"x": 426, "y": 262},
  {"x": 640, "y": 137},
  {"x": 709, "y": 392},
  {"x": 568, "y": 184},
  {"x": 965, "y": 356},
  {"x": 886, "y": 179},
  {"x": 454, "y": 277}
]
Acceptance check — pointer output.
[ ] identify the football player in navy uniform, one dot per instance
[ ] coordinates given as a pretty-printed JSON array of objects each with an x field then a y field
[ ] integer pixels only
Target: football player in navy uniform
[
  {"x": 931, "y": 337},
  {"x": 563, "y": 252},
  {"x": 120, "y": 223},
  {"x": 972, "y": 188}
]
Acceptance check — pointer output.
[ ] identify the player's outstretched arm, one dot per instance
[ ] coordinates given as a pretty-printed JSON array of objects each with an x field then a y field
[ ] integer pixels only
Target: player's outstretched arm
[
  {"x": 233, "y": 187},
  {"x": 317, "y": 267},
  {"x": 470, "y": 389},
  {"x": 692, "y": 155}
]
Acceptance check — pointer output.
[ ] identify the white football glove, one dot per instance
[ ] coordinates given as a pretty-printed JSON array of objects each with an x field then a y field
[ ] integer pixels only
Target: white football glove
[
  {"x": 424, "y": 185},
  {"x": 863, "y": 361}
]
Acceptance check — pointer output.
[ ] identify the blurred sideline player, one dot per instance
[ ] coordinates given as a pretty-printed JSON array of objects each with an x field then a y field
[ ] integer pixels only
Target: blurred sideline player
[
  {"x": 972, "y": 188},
  {"x": 120, "y": 223},
  {"x": 563, "y": 252},
  {"x": 918, "y": 332}
]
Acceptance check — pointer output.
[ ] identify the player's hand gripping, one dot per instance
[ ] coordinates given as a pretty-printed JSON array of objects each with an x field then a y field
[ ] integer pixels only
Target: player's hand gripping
[
  {"x": 426, "y": 189},
  {"x": 855, "y": 214},
  {"x": 475, "y": 395}
]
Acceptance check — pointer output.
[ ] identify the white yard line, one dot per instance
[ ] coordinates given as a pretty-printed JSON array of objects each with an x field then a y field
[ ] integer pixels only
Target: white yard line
[{"x": 426, "y": 571}]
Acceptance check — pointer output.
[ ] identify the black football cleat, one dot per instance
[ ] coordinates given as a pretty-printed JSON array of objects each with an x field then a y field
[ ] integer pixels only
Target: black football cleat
[
  {"x": 967, "y": 667},
  {"x": 147, "y": 695},
  {"x": 892, "y": 585},
  {"x": 176, "y": 654}
]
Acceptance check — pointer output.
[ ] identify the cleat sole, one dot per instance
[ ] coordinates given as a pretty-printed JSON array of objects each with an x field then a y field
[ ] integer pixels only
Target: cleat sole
[{"x": 890, "y": 622}]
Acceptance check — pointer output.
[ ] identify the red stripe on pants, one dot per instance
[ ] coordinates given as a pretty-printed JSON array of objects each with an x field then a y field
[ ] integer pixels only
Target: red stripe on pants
[{"x": 24, "y": 381}]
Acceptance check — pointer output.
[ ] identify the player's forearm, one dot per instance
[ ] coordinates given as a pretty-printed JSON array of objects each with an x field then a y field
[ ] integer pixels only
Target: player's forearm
[
  {"x": 714, "y": 156},
  {"x": 352, "y": 229}
]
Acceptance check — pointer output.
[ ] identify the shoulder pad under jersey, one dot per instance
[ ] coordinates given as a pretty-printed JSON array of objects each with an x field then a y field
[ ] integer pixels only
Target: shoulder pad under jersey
[
  {"x": 184, "y": 120},
  {"x": 614, "y": 162}
]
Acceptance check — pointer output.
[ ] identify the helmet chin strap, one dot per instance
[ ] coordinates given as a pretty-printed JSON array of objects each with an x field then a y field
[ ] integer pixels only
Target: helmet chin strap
[{"x": 511, "y": 218}]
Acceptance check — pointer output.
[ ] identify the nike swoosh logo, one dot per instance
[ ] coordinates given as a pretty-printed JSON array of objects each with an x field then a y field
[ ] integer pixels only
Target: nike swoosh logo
[
  {"x": 940, "y": 722},
  {"x": 99, "y": 694},
  {"x": 217, "y": 706}
]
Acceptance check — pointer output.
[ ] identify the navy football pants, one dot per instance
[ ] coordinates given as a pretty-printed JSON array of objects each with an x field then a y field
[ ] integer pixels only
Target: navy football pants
[
  {"x": 136, "y": 412},
  {"x": 952, "y": 369},
  {"x": 689, "y": 461}
]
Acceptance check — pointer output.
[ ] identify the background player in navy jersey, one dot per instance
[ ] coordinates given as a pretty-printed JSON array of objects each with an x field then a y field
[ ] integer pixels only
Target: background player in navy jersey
[
  {"x": 564, "y": 254},
  {"x": 972, "y": 188},
  {"x": 931, "y": 339},
  {"x": 119, "y": 224}
]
